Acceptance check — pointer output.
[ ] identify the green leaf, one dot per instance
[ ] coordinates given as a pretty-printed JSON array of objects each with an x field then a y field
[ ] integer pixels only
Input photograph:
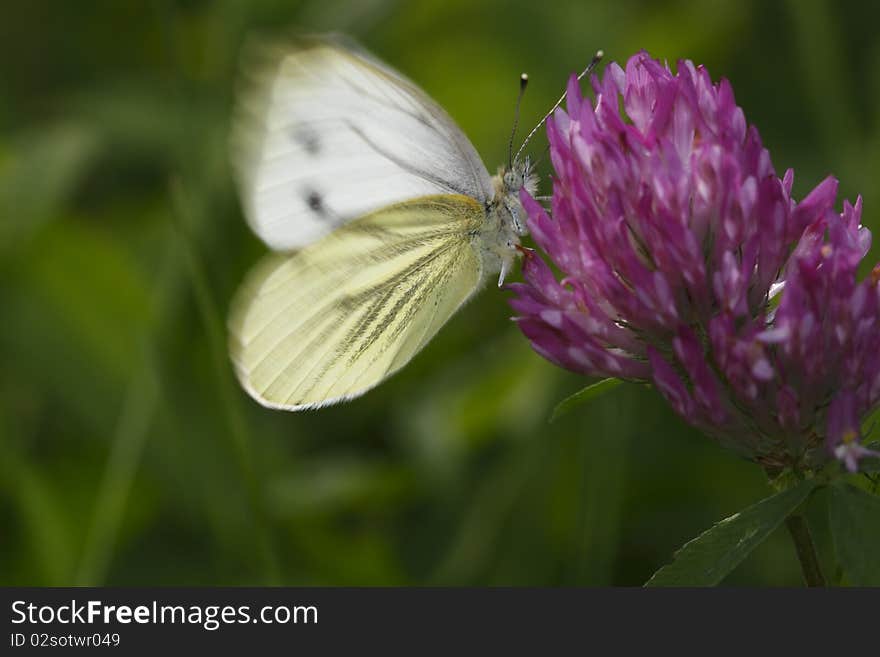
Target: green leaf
[
  {"x": 583, "y": 396},
  {"x": 854, "y": 516},
  {"x": 870, "y": 464},
  {"x": 871, "y": 427},
  {"x": 712, "y": 555}
]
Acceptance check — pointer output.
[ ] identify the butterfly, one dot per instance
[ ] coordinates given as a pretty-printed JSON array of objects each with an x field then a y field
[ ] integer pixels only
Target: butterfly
[{"x": 380, "y": 215}]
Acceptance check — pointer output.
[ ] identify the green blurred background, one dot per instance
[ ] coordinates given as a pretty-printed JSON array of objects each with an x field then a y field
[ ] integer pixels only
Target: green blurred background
[{"x": 128, "y": 453}]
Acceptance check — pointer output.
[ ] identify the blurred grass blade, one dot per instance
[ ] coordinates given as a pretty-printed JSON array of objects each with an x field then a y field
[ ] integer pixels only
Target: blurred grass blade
[
  {"x": 583, "y": 396},
  {"x": 854, "y": 517},
  {"x": 43, "y": 518},
  {"x": 125, "y": 455},
  {"x": 130, "y": 437},
  {"x": 712, "y": 555},
  {"x": 186, "y": 213},
  {"x": 490, "y": 506},
  {"x": 824, "y": 73},
  {"x": 38, "y": 174}
]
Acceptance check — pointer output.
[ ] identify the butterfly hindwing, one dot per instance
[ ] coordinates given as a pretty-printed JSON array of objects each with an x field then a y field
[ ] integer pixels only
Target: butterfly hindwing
[
  {"x": 333, "y": 320},
  {"x": 325, "y": 133}
]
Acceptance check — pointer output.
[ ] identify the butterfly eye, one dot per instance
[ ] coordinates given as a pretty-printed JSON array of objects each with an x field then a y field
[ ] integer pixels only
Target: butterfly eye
[{"x": 510, "y": 180}]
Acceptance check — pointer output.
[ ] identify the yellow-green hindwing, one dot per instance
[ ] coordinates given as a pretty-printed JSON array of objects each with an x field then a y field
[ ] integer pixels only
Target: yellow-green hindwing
[{"x": 333, "y": 320}]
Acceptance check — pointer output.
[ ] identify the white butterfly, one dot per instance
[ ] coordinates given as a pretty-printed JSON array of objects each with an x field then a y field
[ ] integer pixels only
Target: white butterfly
[{"x": 384, "y": 218}]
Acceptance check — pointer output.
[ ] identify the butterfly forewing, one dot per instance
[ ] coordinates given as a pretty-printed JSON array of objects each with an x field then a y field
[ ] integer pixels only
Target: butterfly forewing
[
  {"x": 336, "y": 318},
  {"x": 325, "y": 134}
]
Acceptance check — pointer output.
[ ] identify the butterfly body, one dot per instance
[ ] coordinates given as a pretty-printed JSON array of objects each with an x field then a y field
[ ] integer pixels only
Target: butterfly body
[
  {"x": 382, "y": 218},
  {"x": 505, "y": 218}
]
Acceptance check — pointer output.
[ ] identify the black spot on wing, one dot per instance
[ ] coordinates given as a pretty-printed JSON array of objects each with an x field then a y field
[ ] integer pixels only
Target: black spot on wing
[
  {"x": 315, "y": 202},
  {"x": 307, "y": 139}
]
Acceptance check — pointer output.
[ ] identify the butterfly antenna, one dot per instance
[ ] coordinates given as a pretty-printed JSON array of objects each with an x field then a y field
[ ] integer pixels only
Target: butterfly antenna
[
  {"x": 593, "y": 63},
  {"x": 523, "y": 83}
]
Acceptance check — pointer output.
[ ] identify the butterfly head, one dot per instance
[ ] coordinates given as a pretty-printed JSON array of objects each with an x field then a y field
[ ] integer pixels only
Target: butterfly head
[
  {"x": 505, "y": 214},
  {"x": 508, "y": 183}
]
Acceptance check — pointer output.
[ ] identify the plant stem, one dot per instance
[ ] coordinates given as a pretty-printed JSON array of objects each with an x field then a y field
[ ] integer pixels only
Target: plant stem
[{"x": 806, "y": 550}]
